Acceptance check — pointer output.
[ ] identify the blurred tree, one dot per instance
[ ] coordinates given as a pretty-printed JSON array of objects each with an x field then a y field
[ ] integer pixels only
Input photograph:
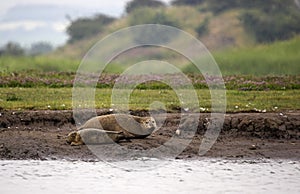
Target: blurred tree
[
  {"x": 187, "y": 2},
  {"x": 218, "y": 6},
  {"x": 87, "y": 27},
  {"x": 134, "y": 4},
  {"x": 268, "y": 20},
  {"x": 40, "y": 48},
  {"x": 268, "y": 27},
  {"x": 202, "y": 29},
  {"x": 12, "y": 48},
  {"x": 272, "y": 20},
  {"x": 152, "y": 16}
]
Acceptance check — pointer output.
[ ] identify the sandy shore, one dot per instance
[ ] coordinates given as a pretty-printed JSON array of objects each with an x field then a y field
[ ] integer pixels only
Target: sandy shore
[{"x": 41, "y": 135}]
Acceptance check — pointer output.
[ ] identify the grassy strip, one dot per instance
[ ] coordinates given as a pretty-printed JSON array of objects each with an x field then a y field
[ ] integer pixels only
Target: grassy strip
[
  {"x": 61, "y": 98},
  {"x": 37, "y": 63},
  {"x": 279, "y": 58},
  {"x": 30, "y": 79}
]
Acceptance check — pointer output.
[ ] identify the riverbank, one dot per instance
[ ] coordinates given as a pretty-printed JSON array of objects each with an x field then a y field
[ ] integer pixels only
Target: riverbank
[{"x": 41, "y": 135}]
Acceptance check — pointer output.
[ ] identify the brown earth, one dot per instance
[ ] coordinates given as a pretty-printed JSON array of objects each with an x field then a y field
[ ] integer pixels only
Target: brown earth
[{"x": 41, "y": 135}]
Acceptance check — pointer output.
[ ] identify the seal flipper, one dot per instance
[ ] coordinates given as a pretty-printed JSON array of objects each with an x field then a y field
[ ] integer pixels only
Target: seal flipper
[
  {"x": 120, "y": 135},
  {"x": 76, "y": 143}
]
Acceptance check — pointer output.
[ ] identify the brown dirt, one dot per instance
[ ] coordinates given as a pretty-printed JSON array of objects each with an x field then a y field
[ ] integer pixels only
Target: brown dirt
[{"x": 41, "y": 135}]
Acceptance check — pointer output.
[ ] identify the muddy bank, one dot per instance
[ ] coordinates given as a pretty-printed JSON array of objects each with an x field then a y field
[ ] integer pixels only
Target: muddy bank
[{"x": 41, "y": 135}]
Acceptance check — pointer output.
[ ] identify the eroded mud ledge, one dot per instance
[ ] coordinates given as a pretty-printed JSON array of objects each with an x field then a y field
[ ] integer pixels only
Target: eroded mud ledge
[{"x": 41, "y": 135}]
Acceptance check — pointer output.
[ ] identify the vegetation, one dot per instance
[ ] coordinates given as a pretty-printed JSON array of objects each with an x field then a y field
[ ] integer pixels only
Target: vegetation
[
  {"x": 87, "y": 27},
  {"x": 279, "y": 58},
  {"x": 268, "y": 20},
  {"x": 203, "y": 27},
  {"x": 34, "y": 79},
  {"x": 150, "y": 16},
  {"x": 40, "y": 48},
  {"x": 37, "y": 63},
  {"x": 187, "y": 2},
  {"x": 136, "y": 4},
  {"x": 261, "y": 76},
  {"x": 267, "y": 5},
  {"x": 12, "y": 48},
  {"x": 60, "y": 99},
  {"x": 247, "y": 23},
  {"x": 281, "y": 23}
]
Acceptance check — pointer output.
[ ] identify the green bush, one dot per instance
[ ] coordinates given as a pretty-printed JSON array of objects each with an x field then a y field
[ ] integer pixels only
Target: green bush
[
  {"x": 267, "y": 20},
  {"x": 39, "y": 48},
  {"x": 87, "y": 27},
  {"x": 269, "y": 26},
  {"x": 187, "y": 2},
  {"x": 12, "y": 48},
  {"x": 218, "y": 6},
  {"x": 152, "y": 16},
  {"x": 136, "y": 4},
  {"x": 202, "y": 29}
]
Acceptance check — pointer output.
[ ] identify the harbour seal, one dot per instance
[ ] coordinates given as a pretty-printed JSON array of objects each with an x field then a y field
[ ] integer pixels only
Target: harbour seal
[
  {"x": 93, "y": 136},
  {"x": 131, "y": 126}
]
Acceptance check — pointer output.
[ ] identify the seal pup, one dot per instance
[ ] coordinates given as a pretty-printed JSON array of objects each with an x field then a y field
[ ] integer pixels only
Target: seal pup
[
  {"x": 94, "y": 136},
  {"x": 131, "y": 126}
]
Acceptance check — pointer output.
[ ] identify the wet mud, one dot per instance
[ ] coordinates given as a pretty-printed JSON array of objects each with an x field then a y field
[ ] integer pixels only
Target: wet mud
[{"x": 42, "y": 135}]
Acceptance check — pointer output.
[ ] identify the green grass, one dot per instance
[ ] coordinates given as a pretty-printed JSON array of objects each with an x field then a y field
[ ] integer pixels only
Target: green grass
[
  {"x": 279, "y": 58},
  {"x": 37, "y": 63},
  {"x": 61, "y": 99},
  {"x": 35, "y": 79}
]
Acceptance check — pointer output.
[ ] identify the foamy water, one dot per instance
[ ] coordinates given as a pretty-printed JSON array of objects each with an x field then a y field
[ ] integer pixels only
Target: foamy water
[{"x": 151, "y": 176}]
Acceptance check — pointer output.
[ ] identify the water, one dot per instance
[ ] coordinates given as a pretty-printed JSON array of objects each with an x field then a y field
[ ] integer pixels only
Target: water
[{"x": 151, "y": 176}]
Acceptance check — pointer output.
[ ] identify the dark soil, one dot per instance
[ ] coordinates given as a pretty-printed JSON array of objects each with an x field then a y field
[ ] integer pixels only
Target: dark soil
[{"x": 41, "y": 135}]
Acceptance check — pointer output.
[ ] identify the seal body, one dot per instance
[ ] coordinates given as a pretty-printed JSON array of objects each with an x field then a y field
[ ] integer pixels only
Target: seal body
[
  {"x": 94, "y": 136},
  {"x": 130, "y": 126}
]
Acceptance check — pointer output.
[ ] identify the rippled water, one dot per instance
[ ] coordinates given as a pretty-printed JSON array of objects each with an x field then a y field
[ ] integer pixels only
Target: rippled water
[{"x": 151, "y": 176}]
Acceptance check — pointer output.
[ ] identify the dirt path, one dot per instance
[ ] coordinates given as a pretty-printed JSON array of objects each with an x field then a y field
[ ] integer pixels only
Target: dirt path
[{"x": 41, "y": 135}]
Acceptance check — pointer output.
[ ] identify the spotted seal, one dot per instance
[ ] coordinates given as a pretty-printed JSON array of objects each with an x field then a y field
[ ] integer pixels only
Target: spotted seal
[
  {"x": 94, "y": 136},
  {"x": 131, "y": 126}
]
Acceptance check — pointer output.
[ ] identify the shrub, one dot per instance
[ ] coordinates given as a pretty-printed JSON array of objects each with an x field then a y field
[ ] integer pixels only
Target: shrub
[
  {"x": 87, "y": 27},
  {"x": 274, "y": 6},
  {"x": 40, "y": 48},
  {"x": 187, "y": 2},
  {"x": 203, "y": 27},
  {"x": 12, "y": 48},
  {"x": 136, "y": 4},
  {"x": 151, "y": 16},
  {"x": 269, "y": 27}
]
